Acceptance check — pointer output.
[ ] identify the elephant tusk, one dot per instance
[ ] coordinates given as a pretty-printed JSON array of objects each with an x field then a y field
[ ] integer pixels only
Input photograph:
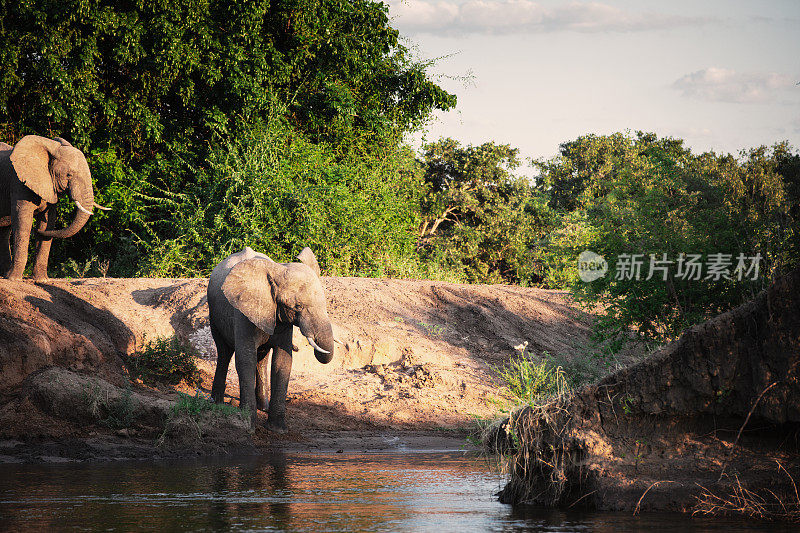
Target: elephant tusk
[
  {"x": 98, "y": 206},
  {"x": 338, "y": 341},
  {"x": 81, "y": 207},
  {"x": 315, "y": 346}
]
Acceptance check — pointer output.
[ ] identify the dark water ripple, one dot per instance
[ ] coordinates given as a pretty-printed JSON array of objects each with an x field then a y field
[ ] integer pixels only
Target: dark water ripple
[{"x": 297, "y": 492}]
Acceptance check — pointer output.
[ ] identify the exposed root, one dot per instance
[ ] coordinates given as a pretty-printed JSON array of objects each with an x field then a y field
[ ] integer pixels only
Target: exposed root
[
  {"x": 639, "y": 503},
  {"x": 746, "y": 420},
  {"x": 760, "y": 504},
  {"x": 537, "y": 453}
]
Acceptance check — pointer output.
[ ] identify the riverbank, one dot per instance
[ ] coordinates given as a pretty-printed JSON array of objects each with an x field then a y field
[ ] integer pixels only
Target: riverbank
[
  {"x": 708, "y": 424},
  {"x": 413, "y": 370}
]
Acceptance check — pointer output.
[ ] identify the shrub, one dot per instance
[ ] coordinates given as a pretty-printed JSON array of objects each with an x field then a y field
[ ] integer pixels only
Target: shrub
[{"x": 166, "y": 361}]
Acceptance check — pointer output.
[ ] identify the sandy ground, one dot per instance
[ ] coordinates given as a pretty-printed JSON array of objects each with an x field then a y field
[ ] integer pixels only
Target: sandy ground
[{"x": 413, "y": 368}]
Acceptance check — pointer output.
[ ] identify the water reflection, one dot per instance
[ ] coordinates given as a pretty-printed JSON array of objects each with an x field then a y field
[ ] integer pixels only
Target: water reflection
[{"x": 279, "y": 492}]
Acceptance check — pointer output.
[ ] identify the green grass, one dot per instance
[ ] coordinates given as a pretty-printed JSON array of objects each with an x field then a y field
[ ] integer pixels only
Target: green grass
[
  {"x": 200, "y": 403},
  {"x": 167, "y": 361},
  {"x": 531, "y": 382}
]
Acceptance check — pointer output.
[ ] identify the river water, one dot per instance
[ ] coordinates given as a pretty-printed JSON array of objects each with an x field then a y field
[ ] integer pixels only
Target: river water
[{"x": 297, "y": 492}]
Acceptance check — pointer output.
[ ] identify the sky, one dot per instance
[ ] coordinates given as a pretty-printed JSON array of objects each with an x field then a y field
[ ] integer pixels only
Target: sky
[{"x": 720, "y": 74}]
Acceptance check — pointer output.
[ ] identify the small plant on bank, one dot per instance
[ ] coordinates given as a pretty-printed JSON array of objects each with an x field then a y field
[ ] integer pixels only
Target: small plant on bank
[
  {"x": 530, "y": 382},
  {"x": 200, "y": 403},
  {"x": 113, "y": 413},
  {"x": 167, "y": 361},
  {"x": 121, "y": 412}
]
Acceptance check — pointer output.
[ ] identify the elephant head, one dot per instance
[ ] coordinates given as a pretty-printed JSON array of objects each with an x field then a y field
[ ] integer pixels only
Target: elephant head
[
  {"x": 268, "y": 293},
  {"x": 51, "y": 166}
]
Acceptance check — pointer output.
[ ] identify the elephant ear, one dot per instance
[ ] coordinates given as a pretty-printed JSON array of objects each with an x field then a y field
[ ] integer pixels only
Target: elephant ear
[
  {"x": 31, "y": 161},
  {"x": 308, "y": 258},
  {"x": 248, "y": 288},
  {"x": 61, "y": 140}
]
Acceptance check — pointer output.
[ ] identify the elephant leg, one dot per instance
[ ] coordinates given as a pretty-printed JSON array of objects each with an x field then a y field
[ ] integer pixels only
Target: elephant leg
[
  {"x": 224, "y": 353},
  {"x": 23, "y": 220},
  {"x": 5, "y": 248},
  {"x": 262, "y": 377},
  {"x": 245, "y": 361},
  {"x": 280, "y": 371},
  {"x": 43, "y": 246}
]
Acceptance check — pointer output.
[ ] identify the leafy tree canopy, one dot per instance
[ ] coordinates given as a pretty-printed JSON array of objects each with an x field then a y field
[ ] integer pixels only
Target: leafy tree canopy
[
  {"x": 150, "y": 78},
  {"x": 638, "y": 194},
  {"x": 478, "y": 216}
]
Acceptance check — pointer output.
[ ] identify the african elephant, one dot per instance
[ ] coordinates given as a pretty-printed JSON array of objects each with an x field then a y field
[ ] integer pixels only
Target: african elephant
[
  {"x": 253, "y": 304},
  {"x": 32, "y": 174}
]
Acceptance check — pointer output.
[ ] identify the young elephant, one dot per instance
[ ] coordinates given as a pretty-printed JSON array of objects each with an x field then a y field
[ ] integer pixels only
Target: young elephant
[{"x": 253, "y": 304}]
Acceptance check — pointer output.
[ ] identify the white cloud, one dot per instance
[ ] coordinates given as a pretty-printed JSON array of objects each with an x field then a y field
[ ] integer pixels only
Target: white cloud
[
  {"x": 724, "y": 85},
  {"x": 523, "y": 16}
]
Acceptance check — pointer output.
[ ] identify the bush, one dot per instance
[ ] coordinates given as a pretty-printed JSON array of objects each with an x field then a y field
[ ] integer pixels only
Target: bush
[
  {"x": 161, "y": 97},
  {"x": 478, "y": 218},
  {"x": 273, "y": 190},
  {"x": 165, "y": 361}
]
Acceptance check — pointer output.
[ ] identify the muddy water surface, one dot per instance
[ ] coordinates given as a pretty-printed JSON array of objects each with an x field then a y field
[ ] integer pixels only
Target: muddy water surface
[{"x": 295, "y": 492}]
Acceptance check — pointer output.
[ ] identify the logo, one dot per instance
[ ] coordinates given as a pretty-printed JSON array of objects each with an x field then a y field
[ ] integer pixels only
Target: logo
[{"x": 591, "y": 266}]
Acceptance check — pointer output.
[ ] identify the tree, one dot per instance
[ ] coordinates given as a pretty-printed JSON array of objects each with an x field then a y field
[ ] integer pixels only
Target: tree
[
  {"x": 157, "y": 93},
  {"x": 627, "y": 197},
  {"x": 158, "y": 78},
  {"x": 479, "y": 216}
]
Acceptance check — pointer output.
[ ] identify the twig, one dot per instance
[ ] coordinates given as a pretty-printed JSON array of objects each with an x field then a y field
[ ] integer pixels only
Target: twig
[
  {"x": 794, "y": 485},
  {"x": 746, "y": 420},
  {"x": 636, "y": 511},
  {"x": 582, "y": 497}
]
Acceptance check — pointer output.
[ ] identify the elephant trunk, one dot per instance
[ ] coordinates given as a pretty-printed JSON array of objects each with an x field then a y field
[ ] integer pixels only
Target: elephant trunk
[
  {"x": 82, "y": 194},
  {"x": 321, "y": 339}
]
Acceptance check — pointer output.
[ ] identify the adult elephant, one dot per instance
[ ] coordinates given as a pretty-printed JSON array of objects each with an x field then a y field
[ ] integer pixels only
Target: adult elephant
[
  {"x": 32, "y": 174},
  {"x": 254, "y": 304}
]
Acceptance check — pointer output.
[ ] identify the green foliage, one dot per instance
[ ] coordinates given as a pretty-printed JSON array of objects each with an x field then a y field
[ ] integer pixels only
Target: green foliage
[
  {"x": 623, "y": 194},
  {"x": 200, "y": 403},
  {"x": 156, "y": 79},
  {"x": 167, "y": 361},
  {"x": 479, "y": 218},
  {"x": 166, "y": 99},
  {"x": 277, "y": 192}
]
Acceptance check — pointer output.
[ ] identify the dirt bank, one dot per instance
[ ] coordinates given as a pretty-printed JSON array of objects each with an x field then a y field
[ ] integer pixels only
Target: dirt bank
[
  {"x": 707, "y": 424},
  {"x": 413, "y": 368}
]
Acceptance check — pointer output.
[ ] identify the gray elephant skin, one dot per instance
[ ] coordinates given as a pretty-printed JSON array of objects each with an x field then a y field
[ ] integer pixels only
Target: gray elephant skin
[
  {"x": 254, "y": 304},
  {"x": 32, "y": 175}
]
